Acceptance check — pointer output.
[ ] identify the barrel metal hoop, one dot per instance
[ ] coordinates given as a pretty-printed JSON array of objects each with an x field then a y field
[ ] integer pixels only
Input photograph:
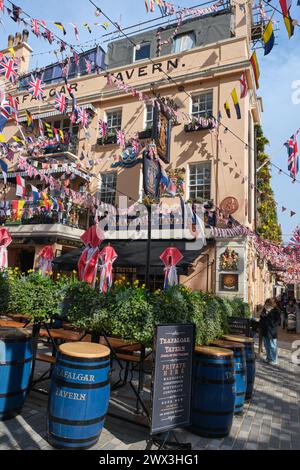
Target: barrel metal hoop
[
  {"x": 70, "y": 422},
  {"x": 212, "y": 413},
  {"x": 219, "y": 366},
  {"x": 16, "y": 363},
  {"x": 83, "y": 359},
  {"x": 66, "y": 383},
  {"x": 204, "y": 380},
  {"x": 83, "y": 367},
  {"x": 12, "y": 394},
  {"x": 74, "y": 441}
]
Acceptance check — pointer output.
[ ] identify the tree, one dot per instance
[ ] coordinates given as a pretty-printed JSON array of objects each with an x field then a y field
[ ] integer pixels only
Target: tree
[{"x": 268, "y": 226}]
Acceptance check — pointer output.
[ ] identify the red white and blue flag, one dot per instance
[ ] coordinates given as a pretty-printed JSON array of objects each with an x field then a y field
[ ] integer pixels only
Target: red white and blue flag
[
  {"x": 35, "y": 27},
  {"x": 295, "y": 240},
  {"x": 9, "y": 67},
  {"x": 83, "y": 117},
  {"x": 293, "y": 160},
  {"x": 36, "y": 88},
  {"x": 61, "y": 102}
]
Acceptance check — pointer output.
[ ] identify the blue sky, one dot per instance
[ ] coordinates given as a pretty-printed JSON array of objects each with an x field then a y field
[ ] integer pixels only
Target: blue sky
[{"x": 279, "y": 70}]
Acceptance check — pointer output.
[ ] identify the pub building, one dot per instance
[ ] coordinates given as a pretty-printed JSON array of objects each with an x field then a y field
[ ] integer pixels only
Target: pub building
[{"x": 194, "y": 76}]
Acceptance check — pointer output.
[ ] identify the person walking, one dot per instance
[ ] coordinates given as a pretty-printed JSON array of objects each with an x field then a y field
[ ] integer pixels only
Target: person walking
[{"x": 269, "y": 322}]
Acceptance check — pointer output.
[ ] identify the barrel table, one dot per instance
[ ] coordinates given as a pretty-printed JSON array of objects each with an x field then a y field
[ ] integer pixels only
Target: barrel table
[
  {"x": 213, "y": 392},
  {"x": 79, "y": 395},
  {"x": 250, "y": 360},
  {"x": 15, "y": 369},
  {"x": 239, "y": 371}
]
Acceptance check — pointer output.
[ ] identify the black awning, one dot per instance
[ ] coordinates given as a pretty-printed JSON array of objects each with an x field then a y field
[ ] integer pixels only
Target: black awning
[{"x": 132, "y": 253}]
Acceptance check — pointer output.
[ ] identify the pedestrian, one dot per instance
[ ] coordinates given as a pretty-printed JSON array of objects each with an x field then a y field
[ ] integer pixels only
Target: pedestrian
[{"x": 269, "y": 323}]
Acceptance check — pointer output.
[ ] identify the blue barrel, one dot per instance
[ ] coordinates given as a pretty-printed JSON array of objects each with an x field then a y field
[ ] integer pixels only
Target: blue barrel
[
  {"x": 213, "y": 392},
  {"x": 239, "y": 371},
  {"x": 15, "y": 369},
  {"x": 79, "y": 395},
  {"x": 250, "y": 360}
]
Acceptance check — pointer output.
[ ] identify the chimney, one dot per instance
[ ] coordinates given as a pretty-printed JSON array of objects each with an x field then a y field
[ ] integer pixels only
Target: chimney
[{"x": 21, "y": 49}]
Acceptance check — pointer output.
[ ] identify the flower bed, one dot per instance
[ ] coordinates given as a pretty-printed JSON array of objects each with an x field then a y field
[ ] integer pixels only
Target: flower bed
[{"x": 128, "y": 310}]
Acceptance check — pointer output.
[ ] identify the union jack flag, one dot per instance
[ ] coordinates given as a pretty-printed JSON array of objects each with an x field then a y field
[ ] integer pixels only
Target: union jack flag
[
  {"x": 9, "y": 67},
  {"x": 48, "y": 35},
  {"x": 292, "y": 149},
  {"x": 295, "y": 240},
  {"x": 36, "y": 88},
  {"x": 88, "y": 66},
  {"x": 14, "y": 105},
  {"x": 83, "y": 117},
  {"x": 61, "y": 103},
  {"x": 35, "y": 27}
]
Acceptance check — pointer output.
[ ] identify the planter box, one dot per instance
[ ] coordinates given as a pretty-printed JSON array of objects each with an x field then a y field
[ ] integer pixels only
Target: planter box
[
  {"x": 199, "y": 127},
  {"x": 108, "y": 140},
  {"x": 146, "y": 134}
]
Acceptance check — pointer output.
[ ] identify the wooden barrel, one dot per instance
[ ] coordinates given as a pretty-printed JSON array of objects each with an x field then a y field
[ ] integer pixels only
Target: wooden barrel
[
  {"x": 79, "y": 395},
  {"x": 250, "y": 360},
  {"x": 15, "y": 369},
  {"x": 213, "y": 392},
  {"x": 239, "y": 371}
]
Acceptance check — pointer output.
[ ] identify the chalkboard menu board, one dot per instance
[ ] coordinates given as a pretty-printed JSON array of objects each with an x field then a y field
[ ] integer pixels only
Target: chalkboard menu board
[
  {"x": 239, "y": 325},
  {"x": 172, "y": 378}
]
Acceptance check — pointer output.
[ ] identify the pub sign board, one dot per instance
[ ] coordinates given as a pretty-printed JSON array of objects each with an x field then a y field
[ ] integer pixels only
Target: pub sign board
[
  {"x": 239, "y": 326},
  {"x": 151, "y": 176},
  {"x": 161, "y": 133},
  {"x": 172, "y": 377}
]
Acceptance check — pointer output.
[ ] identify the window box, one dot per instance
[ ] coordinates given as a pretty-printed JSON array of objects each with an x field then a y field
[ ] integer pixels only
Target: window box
[
  {"x": 146, "y": 134},
  {"x": 108, "y": 140},
  {"x": 201, "y": 125}
]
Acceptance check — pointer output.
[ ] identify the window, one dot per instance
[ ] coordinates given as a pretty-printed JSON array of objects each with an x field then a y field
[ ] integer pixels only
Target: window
[
  {"x": 149, "y": 116},
  {"x": 184, "y": 42},
  {"x": 108, "y": 187},
  {"x": 114, "y": 120},
  {"x": 141, "y": 52},
  {"x": 202, "y": 105},
  {"x": 199, "y": 182}
]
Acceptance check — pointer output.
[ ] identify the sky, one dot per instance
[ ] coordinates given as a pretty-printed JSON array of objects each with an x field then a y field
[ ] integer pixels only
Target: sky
[{"x": 279, "y": 72}]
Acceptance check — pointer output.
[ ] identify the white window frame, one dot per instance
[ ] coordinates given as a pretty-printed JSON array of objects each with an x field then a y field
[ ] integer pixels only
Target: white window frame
[
  {"x": 145, "y": 116},
  {"x": 195, "y": 95},
  {"x": 181, "y": 36},
  {"x": 188, "y": 189},
  {"x": 110, "y": 111},
  {"x": 147, "y": 43},
  {"x": 100, "y": 186}
]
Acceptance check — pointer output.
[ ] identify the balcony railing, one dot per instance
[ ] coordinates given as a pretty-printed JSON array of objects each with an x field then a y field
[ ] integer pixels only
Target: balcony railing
[
  {"x": 110, "y": 139},
  {"x": 200, "y": 125},
  {"x": 59, "y": 147}
]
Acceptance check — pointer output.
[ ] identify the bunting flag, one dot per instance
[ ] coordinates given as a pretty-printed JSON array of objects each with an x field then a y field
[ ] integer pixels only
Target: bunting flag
[
  {"x": 244, "y": 86},
  {"x": 36, "y": 88},
  {"x": 16, "y": 209},
  {"x": 292, "y": 149},
  {"x": 60, "y": 26},
  {"x": 21, "y": 188},
  {"x": 45, "y": 201},
  {"x": 295, "y": 240},
  {"x": 29, "y": 119},
  {"x": 4, "y": 169},
  {"x": 75, "y": 31},
  {"x": 5, "y": 111},
  {"x": 14, "y": 105},
  {"x": 35, "y": 27},
  {"x": 49, "y": 130},
  {"x": 227, "y": 109},
  {"x": 288, "y": 22},
  {"x": 105, "y": 25},
  {"x": 268, "y": 38},
  {"x": 41, "y": 128},
  {"x": 61, "y": 102},
  {"x": 83, "y": 117},
  {"x": 107, "y": 257},
  {"x": 5, "y": 241},
  {"x": 9, "y": 68},
  {"x": 35, "y": 194},
  {"x": 87, "y": 26},
  {"x": 236, "y": 103},
  {"x": 171, "y": 257},
  {"x": 255, "y": 68},
  {"x": 1, "y": 6}
]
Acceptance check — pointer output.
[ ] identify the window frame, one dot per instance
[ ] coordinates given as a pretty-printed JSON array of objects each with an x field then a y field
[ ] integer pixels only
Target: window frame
[
  {"x": 117, "y": 127},
  {"x": 199, "y": 94},
  {"x": 197, "y": 186},
  {"x": 109, "y": 197},
  {"x": 180, "y": 36},
  {"x": 135, "y": 50},
  {"x": 146, "y": 121}
]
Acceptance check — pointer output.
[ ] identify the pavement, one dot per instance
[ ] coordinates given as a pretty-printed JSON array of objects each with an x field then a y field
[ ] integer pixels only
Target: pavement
[{"x": 271, "y": 420}]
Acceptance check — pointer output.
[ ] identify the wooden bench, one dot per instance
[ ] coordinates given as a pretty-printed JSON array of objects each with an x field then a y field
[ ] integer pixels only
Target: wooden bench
[
  {"x": 45, "y": 358},
  {"x": 11, "y": 324},
  {"x": 60, "y": 333}
]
